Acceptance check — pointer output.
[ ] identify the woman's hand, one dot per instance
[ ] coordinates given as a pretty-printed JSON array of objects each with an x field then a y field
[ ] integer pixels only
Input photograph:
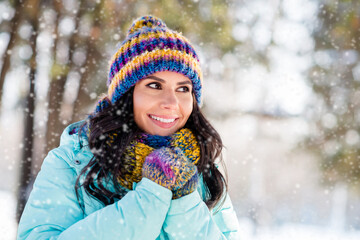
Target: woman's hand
[
  {"x": 186, "y": 183},
  {"x": 189, "y": 187},
  {"x": 170, "y": 168}
]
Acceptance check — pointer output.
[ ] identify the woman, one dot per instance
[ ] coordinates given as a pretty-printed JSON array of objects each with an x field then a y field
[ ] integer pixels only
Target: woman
[{"x": 143, "y": 164}]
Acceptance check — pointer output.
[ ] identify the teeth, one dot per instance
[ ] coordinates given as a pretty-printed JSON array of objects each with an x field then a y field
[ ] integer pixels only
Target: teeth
[{"x": 163, "y": 119}]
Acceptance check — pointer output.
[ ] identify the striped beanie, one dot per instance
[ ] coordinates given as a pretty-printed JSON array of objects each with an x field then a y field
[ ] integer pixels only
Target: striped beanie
[{"x": 150, "y": 47}]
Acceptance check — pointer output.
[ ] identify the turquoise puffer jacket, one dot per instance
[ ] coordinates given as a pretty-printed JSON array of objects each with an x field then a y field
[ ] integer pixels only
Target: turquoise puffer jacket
[{"x": 147, "y": 212}]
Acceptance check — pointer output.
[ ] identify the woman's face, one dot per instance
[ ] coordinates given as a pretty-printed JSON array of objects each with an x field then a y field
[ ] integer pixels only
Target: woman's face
[{"x": 163, "y": 102}]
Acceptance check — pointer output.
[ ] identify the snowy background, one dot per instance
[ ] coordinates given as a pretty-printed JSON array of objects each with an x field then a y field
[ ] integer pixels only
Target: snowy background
[{"x": 283, "y": 93}]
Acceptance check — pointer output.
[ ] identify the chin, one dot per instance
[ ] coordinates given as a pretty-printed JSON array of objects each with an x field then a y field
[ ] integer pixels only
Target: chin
[{"x": 164, "y": 133}]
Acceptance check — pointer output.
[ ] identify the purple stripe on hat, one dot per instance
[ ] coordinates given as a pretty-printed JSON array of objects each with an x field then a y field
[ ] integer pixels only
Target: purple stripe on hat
[{"x": 149, "y": 44}]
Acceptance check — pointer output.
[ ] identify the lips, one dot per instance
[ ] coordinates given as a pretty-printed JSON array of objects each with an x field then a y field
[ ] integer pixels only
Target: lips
[{"x": 163, "y": 121}]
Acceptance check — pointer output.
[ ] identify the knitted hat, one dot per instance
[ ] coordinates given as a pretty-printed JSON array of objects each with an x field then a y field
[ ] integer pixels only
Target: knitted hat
[{"x": 150, "y": 47}]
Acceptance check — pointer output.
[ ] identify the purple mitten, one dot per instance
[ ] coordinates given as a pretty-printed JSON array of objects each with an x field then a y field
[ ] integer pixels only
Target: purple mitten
[
  {"x": 158, "y": 167},
  {"x": 168, "y": 167}
]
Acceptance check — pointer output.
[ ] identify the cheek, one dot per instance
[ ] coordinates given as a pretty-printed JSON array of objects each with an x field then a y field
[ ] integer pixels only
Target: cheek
[
  {"x": 139, "y": 105},
  {"x": 187, "y": 108}
]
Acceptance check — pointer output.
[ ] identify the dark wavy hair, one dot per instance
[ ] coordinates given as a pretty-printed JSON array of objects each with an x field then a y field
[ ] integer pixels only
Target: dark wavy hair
[{"x": 104, "y": 167}]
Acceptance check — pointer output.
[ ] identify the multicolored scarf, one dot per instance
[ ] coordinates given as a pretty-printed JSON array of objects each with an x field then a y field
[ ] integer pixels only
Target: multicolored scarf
[{"x": 143, "y": 144}]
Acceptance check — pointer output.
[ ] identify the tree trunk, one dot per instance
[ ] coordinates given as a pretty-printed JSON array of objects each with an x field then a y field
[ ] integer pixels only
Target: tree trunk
[
  {"x": 83, "y": 93},
  {"x": 56, "y": 93},
  {"x": 25, "y": 164},
  {"x": 54, "y": 125},
  {"x": 92, "y": 54}
]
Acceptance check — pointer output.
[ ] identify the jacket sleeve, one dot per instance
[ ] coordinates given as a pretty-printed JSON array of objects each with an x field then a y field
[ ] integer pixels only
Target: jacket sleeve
[
  {"x": 53, "y": 212},
  {"x": 190, "y": 218}
]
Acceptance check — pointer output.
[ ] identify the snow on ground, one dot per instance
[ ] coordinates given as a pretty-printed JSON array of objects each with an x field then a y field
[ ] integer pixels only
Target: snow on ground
[{"x": 288, "y": 231}]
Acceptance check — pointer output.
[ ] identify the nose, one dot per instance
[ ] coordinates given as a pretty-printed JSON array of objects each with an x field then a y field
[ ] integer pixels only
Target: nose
[{"x": 169, "y": 100}]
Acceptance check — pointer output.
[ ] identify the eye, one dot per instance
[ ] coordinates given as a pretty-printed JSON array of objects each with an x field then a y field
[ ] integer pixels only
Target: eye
[
  {"x": 154, "y": 85},
  {"x": 184, "y": 89}
]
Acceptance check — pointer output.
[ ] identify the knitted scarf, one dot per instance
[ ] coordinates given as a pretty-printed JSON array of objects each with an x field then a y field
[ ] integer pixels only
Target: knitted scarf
[{"x": 143, "y": 144}]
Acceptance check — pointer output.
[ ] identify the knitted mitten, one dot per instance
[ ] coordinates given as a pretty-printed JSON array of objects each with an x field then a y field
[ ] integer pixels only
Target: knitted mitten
[
  {"x": 189, "y": 187},
  {"x": 186, "y": 183},
  {"x": 168, "y": 167}
]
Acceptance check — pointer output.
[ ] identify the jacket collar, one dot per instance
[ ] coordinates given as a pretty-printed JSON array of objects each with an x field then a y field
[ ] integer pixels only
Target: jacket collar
[
  {"x": 67, "y": 135},
  {"x": 77, "y": 148}
]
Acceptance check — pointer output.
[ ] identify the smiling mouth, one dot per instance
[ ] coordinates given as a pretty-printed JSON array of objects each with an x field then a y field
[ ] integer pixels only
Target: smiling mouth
[{"x": 163, "y": 122}]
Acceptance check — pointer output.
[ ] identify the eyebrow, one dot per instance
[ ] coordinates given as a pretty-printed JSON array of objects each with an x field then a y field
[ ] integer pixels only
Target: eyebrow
[{"x": 163, "y": 81}]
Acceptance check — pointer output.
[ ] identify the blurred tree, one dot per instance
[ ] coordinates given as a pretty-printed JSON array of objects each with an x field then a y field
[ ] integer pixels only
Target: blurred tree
[
  {"x": 31, "y": 14},
  {"x": 103, "y": 29},
  {"x": 58, "y": 74},
  {"x": 336, "y": 81}
]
